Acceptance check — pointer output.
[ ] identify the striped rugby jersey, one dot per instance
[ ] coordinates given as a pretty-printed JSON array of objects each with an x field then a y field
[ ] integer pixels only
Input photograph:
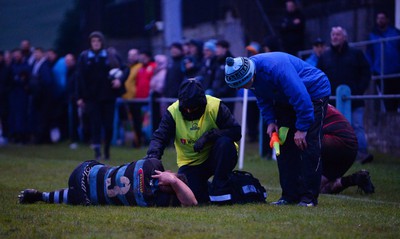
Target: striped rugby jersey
[{"x": 129, "y": 184}]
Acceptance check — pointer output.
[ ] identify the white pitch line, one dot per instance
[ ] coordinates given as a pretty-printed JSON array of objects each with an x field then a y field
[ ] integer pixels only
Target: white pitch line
[
  {"x": 362, "y": 199},
  {"x": 348, "y": 197}
]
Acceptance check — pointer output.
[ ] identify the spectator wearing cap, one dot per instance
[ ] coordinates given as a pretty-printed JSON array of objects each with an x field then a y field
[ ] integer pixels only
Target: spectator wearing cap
[
  {"x": 185, "y": 48},
  {"x": 204, "y": 133},
  {"x": 174, "y": 75},
  {"x": 219, "y": 88},
  {"x": 290, "y": 93},
  {"x": 318, "y": 49},
  {"x": 207, "y": 71},
  {"x": 253, "y": 48},
  {"x": 191, "y": 64}
]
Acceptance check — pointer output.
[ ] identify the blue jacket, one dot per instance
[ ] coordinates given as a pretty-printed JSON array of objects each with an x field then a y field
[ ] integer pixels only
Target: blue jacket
[
  {"x": 312, "y": 59},
  {"x": 283, "y": 78},
  {"x": 391, "y": 52}
]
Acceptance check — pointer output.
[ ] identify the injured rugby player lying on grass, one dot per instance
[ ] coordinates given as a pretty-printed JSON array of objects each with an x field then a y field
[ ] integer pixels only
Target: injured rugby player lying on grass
[{"x": 143, "y": 183}]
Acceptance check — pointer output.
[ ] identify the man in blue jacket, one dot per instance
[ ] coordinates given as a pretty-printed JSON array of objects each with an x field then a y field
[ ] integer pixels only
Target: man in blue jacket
[
  {"x": 290, "y": 93},
  {"x": 391, "y": 57}
]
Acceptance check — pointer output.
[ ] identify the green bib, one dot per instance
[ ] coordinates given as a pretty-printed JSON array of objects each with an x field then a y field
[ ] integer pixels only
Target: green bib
[{"x": 188, "y": 132}]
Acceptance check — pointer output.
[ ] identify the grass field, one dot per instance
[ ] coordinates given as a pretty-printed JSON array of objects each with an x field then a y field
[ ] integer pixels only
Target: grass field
[{"x": 348, "y": 215}]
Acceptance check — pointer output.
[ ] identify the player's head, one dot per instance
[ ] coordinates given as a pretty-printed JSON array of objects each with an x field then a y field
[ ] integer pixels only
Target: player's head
[
  {"x": 192, "y": 99},
  {"x": 239, "y": 71}
]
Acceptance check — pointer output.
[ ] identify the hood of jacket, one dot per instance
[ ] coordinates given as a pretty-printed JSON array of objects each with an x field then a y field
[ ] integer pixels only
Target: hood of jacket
[{"x": 192, "y": 96}]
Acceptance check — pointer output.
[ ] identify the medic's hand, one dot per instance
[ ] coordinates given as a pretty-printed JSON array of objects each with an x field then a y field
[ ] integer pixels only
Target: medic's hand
[
  {"x": 199, "y": 145},
  {"x": 152, "y": 156},
  {"x": 201, "y": 142}
]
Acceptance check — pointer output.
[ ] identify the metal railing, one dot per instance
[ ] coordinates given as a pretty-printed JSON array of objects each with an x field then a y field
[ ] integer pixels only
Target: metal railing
[
  {"x": 381, "y": 77},
  {"x": 150, "y": 101},
  {"x": 342, "y": 102}
]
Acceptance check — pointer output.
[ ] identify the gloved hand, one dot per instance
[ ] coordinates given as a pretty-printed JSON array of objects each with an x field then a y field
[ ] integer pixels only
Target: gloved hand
[
  {"x": 152, "y": 156},
  {"x": 201, "y": 142}
]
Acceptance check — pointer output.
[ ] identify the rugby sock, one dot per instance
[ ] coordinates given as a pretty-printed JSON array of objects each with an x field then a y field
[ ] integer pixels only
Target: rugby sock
[{"x": 59, "y": 196}]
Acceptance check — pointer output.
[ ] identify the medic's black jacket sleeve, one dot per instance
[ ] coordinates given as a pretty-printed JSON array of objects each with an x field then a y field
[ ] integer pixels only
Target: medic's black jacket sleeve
[
  {"x": 227, "y": 124},
  {"x": 162, "y": 136}
]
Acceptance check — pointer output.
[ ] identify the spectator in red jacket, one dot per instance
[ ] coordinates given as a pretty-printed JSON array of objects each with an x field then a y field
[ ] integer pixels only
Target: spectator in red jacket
[{"x": 143, "y": 79}]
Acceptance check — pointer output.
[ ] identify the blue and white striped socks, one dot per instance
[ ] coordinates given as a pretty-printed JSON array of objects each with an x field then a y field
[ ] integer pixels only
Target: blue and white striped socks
[{"x": 58, "y": 197}]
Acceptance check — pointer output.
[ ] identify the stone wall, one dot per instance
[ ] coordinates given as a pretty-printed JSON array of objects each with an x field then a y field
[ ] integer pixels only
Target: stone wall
[
  {"x": 383, "y": 131},
  {"x": 382, "y": 128}
]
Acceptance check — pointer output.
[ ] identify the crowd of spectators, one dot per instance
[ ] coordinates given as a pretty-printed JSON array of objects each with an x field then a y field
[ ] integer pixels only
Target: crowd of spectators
[
  {"x": 46, "y": 98},
  {"x": 34, "y": 94},
  {"x": 42, "y": 93}
]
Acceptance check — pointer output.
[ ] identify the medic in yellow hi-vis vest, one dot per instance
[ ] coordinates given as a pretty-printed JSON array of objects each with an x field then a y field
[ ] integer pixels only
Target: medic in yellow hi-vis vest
[
  {"x": 204, "y": 132},
  {"x": 188, "y": 132}
]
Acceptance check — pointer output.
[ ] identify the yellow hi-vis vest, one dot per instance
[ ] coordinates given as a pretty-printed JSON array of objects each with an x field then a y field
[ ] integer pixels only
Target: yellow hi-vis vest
[{"x": 188, "y": 132}]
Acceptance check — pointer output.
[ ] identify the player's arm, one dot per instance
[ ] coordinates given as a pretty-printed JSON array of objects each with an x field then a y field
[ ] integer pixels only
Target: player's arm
[{"x": 182, "y": 191}]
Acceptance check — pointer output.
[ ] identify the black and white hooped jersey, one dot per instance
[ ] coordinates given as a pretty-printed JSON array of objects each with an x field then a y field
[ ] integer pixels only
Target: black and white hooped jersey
[{"x": 129, "y": 184}]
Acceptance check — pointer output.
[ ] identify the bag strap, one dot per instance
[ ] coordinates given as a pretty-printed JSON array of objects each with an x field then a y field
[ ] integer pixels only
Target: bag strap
[{"x": 240, "y": 172}]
